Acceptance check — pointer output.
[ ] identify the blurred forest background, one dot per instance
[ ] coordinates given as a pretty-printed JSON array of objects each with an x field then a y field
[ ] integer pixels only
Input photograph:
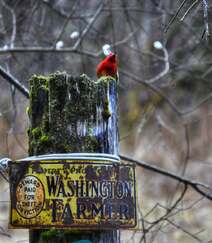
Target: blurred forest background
[{"x": 165, "y": 92}]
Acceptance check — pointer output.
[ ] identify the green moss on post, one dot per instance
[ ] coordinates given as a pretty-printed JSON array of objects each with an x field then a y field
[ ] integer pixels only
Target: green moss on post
[{"x": 72, "y": 114}]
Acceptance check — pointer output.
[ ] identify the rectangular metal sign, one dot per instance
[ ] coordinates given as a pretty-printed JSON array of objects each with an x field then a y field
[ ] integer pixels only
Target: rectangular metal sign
[{"x": 78, "y": 194}]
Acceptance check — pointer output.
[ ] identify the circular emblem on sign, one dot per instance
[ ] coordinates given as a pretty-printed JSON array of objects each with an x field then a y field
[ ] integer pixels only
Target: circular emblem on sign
[{"x": 29, "y": 197}]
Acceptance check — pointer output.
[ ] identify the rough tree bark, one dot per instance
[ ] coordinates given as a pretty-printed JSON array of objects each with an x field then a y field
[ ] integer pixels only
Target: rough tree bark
[{"x": 72, "y": 114}]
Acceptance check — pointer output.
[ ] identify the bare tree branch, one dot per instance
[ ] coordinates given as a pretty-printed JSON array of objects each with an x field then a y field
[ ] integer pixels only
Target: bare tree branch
[
  {"x": 91, "y": 22},
  {"x": 66, "y": 22},
  {"x": 194, "y": 184},
  {"x": 43, "y": 50},
  {"x": 9, "y": 78},
  {"x": 163, "y": 72},
  {"x": 175, "y": 16},
  {"x": 13, "y": 34},
  {"x": 189, "y": 9},
  {"x": 182, "y": 229},
  {"x": 3, "y": 232},
  {"x": 154, "y": 89},
  {"x": 205, "y": 17},
  {"x": 168, "y": 211},
  {"x": 168, "y": 101}
]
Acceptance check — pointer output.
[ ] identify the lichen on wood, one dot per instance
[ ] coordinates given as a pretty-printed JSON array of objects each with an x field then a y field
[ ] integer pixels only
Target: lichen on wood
[{"x": 72, "y": 114}]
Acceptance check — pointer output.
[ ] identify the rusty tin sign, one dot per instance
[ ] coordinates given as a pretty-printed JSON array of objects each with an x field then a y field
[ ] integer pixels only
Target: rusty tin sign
[{"x": 72, "y": 190}]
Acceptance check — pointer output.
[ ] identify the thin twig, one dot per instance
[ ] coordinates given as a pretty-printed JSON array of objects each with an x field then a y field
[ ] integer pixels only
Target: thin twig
[
  {"x": 175, "y": 16},
  {"x": 13, "y": 34},
  {"x": 44, "y": 49},
  {"x": 189, "y": 9},
  {"x": 2, "y": 232},
  {"x": 129, "y": 22},
  {"x": 66, "y": 22},
  {"x": 195, "y": 107},
  {"x": 3, "y": 176},
  {"x": 105, "y": 9},
  {"x": 187, "y": 155},
  {"x": 25, "y": 91},
  {"x": 126, "y": 39},
  {"x": 153, "y": 88},
  {"x": 8, "y": 77},
  {"x": 66, "y": 49},
  {"x": 163, "y": 72},
  {"x": 182, "y": 229},
  {"x": 87, "y": 28},
  {"x": 168, "y": 211},
  {"x": 205, "y": 17},
  {"x": 194, "y": 184},
  {"x": 168, "y": 101}
]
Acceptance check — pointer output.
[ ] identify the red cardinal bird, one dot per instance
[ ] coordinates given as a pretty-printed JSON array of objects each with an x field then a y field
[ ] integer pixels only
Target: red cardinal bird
[{"x": 108, "y": 67}]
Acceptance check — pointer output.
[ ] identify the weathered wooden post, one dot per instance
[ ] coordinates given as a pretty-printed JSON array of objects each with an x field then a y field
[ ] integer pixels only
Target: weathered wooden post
[{"x": 62, "y": 189}]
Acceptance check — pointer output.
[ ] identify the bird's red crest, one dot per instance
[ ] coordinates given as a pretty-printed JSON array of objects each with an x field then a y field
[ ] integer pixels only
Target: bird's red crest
[{"x": 108, "y": 67}]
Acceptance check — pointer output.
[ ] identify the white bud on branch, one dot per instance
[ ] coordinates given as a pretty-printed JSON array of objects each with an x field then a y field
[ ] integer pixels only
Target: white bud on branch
[
  {"x": 74, "y": 35},
  {"x": 158, "y": 45},
  {"x": 106, "y": 49},
  {"x": 59, "y": 44}
]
